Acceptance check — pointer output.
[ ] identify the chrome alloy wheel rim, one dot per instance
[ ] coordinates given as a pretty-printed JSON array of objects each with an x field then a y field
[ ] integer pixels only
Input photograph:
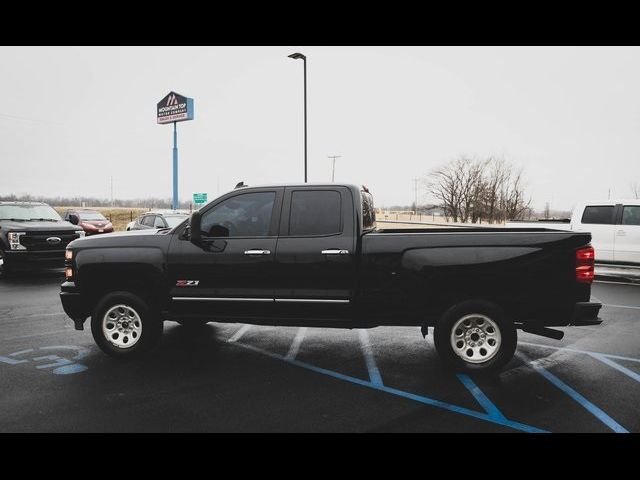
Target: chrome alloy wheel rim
[
  {"x": 475, "y": 338},
  {"x": 121, "y": 326}
]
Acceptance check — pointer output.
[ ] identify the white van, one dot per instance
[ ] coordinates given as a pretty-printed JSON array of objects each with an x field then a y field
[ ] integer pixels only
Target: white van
[{"x": 614, "y": 227}]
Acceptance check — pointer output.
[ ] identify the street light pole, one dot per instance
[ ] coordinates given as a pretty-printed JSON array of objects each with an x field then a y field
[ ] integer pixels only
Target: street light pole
[
  {"x": 304, "y": 59},
  {"x": 333, "y": 170}
]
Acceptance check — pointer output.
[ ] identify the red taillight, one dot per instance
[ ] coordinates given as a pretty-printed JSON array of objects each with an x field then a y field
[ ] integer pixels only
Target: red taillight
[{"x": 585, "y": 264}]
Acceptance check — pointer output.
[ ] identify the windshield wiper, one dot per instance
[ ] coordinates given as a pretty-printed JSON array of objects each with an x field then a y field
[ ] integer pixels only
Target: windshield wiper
[
  {"x": 14, "y": 219},
  {"x": 43, "y": 220}
]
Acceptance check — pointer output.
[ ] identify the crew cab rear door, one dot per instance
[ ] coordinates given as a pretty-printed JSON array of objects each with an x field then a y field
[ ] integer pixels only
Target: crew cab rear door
[
  {"x": 316, "y": 252},
  {"x": 627, "y": 244}
]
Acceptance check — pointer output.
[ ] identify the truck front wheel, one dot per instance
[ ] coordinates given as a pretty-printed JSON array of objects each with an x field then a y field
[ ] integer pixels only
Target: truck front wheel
[
  {"x": 125, "y": 326},
  {"x": 475, "y": 336}
]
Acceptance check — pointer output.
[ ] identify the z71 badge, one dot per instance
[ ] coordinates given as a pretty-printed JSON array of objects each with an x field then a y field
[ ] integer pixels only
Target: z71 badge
[{"x": 187, "y": 283}]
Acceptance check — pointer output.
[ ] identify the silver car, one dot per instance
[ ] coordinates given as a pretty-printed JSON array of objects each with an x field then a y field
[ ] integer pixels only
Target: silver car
[{"x": 156, "y": 220}]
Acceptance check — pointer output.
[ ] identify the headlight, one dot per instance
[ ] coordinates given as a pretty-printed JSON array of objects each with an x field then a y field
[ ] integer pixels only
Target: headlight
[
  {"x": 14, "y": 241},
  {"x": 80, "y": 233},
  {"x": 68, "y": 255}
]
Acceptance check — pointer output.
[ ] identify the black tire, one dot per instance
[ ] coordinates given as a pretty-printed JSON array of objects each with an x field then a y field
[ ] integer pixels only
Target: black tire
[
  {"x": 151, "y": 325},
  {"x": 192, "y": 323},
  {"x": 464, "y": 360}
]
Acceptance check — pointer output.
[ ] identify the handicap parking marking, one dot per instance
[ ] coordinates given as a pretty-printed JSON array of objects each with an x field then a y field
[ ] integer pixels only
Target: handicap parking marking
[
  {"x": 60, "y": 365},
  {"x": 479, "y": 395},
  {"x": 490, "y": 414},
  {"x": 573, "y": 394}
]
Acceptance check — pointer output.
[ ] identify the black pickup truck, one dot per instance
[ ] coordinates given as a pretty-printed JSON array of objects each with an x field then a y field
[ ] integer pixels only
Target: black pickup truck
[
  {"x": 311, "y": 255},
  {"x": 33, "y": 235}
]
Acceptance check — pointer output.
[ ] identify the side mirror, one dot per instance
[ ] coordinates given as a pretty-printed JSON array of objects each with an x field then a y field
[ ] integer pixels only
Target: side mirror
[
  {"x": 195, "y": 234},
  {"x": 73, "y": 218}
]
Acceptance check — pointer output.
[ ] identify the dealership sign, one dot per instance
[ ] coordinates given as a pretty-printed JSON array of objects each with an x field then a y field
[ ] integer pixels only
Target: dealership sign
[{"x": 175, "y": 108}]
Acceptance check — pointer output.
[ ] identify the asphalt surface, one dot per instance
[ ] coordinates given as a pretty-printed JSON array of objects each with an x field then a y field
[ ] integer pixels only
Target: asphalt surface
[{"x": 231, "y": 377}]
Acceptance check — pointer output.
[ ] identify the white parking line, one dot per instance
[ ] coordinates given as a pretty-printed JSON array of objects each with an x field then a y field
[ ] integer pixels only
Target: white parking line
[
  {"x": 238, "y": 335},
  {"x": 575, "y": 350},
  {"x": 374, "y": 373},
  {"x": 295, "y": 345},
  {"x": 620, "y": 306},
  {"x": 617, "y": 366},
  {"x": 574, "y": 395}
]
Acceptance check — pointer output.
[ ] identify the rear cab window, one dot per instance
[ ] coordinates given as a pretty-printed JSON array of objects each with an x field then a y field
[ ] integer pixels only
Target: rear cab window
[
  {"x": 598, "y": 215},
  {"x": 631, "y": 215},
  {"x": 315, "y": 213}
]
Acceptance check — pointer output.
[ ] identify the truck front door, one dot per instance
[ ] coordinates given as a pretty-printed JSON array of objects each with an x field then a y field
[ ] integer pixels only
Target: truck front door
[{"x": 232, "y": 271}]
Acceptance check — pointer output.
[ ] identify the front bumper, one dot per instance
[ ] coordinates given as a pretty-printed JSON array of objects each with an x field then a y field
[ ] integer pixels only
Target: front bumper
[
  {"x": 32, "y": 259},
  {"x": 74, "y": 304},
  {"x": 586, "y": 313}
]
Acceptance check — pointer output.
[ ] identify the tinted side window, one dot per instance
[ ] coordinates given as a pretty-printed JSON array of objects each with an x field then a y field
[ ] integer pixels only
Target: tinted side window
[
  {"x": 631, "y": 215},
  {"x": 315, "y": 212},
  {"x": 246, "y": 215},
  {"x": 602, "y": 215},
  {"x": 148, "y": 220}
]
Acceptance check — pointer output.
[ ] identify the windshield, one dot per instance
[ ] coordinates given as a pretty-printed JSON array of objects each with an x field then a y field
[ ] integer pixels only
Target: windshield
[
  {"x": 175, "y": 220},
  {"x": 91, "y": 216},
  {"x": 28, "y": 212}
]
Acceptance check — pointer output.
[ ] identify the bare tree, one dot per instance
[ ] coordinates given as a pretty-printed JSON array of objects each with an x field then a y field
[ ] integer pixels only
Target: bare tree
[
  {"x": 635, "y": 190},
  {"x": 474, "y": 190}
]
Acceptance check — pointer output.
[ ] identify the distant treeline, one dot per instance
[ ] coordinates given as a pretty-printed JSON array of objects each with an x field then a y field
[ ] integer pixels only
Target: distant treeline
[{"x": 152, "y": 203}]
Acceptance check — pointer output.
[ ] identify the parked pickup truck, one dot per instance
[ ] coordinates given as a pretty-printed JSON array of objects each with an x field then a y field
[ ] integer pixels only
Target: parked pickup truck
[
  {"x": 613, "y": 224},
  {"x": 32, "y": 235},
  {"x": 311, "y": 255}
]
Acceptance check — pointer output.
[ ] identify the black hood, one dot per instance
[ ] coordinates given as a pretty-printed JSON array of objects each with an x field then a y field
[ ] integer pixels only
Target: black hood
[{"x": 8, "y": 225}]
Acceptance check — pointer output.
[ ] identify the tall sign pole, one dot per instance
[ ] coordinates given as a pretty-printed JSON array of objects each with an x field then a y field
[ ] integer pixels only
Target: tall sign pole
[
  {"x": 175, "y": 108},
  {"x": 174, "y": 202}
]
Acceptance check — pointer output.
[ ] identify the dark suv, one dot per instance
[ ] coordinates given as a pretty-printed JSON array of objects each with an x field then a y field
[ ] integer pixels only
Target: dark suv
[{"x": 33, "y": 235}]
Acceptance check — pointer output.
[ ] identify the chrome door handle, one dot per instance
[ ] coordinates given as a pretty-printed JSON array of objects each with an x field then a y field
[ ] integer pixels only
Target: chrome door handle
[
  {"x": 621, "y": 233},
  {"x": 335, "y": 251},
  {"x": 257, "y": 252}
]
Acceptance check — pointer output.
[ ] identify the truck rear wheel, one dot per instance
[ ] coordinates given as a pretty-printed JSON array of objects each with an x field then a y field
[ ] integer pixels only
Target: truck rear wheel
[
  {"x": 475, "y": 336},
  {"x": 125, "y": 326}
]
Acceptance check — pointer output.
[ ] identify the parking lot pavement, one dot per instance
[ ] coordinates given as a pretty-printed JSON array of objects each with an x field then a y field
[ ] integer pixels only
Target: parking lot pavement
[{"x": 231, "y": 377}]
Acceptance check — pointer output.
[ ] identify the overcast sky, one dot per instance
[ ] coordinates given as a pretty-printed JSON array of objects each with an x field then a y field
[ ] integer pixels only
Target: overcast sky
[{"x": 70, "y": 118}]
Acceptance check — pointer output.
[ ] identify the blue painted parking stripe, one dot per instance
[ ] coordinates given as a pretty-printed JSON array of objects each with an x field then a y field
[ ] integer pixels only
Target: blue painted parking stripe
[
  {"x": 628, "y": 372},
  {"x": 590, "y": 407},
  {"x": 238, "y": 335},
  {"x": 400, "y": 393},
  {"x": 374, "y": 373},
  {"x": 575, "y": 350},
  {"x": 479, "y": 395},
  {"x": 295, "y": 345}
]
